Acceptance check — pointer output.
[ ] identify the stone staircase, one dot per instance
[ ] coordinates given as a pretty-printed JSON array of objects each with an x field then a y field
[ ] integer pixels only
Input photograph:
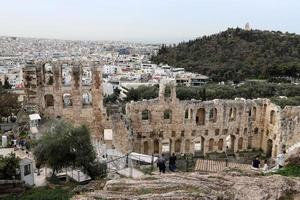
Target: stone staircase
[{"x": 218, "y": 166}]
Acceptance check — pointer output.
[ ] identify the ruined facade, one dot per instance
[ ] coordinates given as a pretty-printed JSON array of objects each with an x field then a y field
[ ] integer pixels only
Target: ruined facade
[
  {"x": 73, "y": 90},
  {"x": 70, "y": 90},
  {"x": 168, "y": 125}
]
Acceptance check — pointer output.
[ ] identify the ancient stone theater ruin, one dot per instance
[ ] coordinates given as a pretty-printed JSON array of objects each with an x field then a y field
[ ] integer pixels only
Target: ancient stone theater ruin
[
  {"x": 64, "y": 89},
  {"x": 169, "y": 125},
  {"x": 73, "y": 90}
]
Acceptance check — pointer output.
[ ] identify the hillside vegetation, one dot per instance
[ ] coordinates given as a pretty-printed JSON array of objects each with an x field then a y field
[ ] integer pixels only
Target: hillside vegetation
[
  {"x": 249, "y": 90},
  {"x": 237, "y": 54}
]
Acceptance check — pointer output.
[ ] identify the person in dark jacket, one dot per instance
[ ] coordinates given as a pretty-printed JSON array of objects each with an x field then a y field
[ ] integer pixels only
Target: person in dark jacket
[
  {"x": 161, "y": 164},
  {"x": 172, "y": 162}
]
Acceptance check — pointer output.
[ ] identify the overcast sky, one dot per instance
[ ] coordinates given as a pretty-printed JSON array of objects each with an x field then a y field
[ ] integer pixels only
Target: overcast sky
[{"x": 143, "y": 20}]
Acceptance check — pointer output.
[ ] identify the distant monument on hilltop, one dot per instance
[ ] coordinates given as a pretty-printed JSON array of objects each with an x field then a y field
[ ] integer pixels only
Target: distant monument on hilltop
[{"x": 247, "y": 27}]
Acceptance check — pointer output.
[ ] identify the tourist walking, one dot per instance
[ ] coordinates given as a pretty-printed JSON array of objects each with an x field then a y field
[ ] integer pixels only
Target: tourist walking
[
  {"x": 281, "y": 159},
  {"x": 172, "y": 162},
  {"x": 161, "y": 164}
]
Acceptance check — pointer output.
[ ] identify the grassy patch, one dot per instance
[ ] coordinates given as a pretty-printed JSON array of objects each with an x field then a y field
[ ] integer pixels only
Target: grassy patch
[
  {"x": 290, "y": 170},
  {"x": 43, "y": 193}
]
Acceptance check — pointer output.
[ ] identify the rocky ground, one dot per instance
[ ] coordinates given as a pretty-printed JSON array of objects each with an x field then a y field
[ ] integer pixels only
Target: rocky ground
[{"x": 226, "y": 185}]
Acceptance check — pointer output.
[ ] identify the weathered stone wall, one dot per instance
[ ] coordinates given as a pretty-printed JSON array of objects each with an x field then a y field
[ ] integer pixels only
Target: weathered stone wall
[
  {"x": 211, "y": 126},
  {"x": 56, "y": 98}
]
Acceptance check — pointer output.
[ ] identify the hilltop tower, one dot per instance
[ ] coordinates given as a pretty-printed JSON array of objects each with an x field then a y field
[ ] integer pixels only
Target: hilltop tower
[{"x": 247, "y": 27}]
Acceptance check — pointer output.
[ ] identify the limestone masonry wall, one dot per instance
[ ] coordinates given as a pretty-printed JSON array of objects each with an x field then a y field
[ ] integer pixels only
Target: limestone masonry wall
[
  {"x": 168, "y": 125},
  {"x": 70, "y": 90},
  {"x": 73, "y": 90}
]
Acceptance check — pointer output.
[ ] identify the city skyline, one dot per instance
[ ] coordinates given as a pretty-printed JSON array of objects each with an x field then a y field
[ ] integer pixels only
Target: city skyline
[{"x": 154, "y": 21}]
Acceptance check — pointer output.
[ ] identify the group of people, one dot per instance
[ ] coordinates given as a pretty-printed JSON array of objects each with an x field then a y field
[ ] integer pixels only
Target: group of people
[
  {"x": 161, "y": 163},
  {"x": 280, "y": 161}
]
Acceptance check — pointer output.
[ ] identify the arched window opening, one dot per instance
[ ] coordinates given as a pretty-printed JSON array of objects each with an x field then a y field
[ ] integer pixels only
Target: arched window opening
[
  {"x": 177, "y": 146},
  {"x": 200, "y": 117},
  {"x": 67, "y": 100},
  {"x": 146, "y": 115},
  {"x": 86, "y": 76},
  {"x": 146, "y": 148},
  {"x": 217, "y": 132},
  {"x": 168, "y": 114},
  {"x": 232, "y": 114},
  {"x": 86, "y": 98},
  {"x": 220, "y": 145},
  {"x": 269, "y": 148},
  {"x": 49, "y": 100},
  {"x": 167, "y": 93},
  {"x": 211, "y": 144},
  {"x": 240, "y": 143},
  {"x": 230, "y": 142},
  {"x": 66, "y": 74},
  {"x": 48, "y": 74},
  {"x": 213, "y": 115},
  {"x": 187, "y": 145},
  {"x": 272, "y": 117},
  {"x": 249, "y": 142},
  {"x": 166, "y": 146},
  {"x": 186, "y": 114},
  {"x": 254, "y": 114},
  {"x": 156, "y": 147}
]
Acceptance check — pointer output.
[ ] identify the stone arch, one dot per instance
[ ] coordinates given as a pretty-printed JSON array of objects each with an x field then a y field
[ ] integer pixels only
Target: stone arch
[
  {"x": 272, "y": 117},
  {"x": 191, "y": 113},
  {"x": 187, "y": 146},
  {"x": 220, "y": 144},
  {"x": 48, "y": 74},
  {"x": 250, "y": 138},
  {"x": 86, "y": 76},
  {"x": 230, "y": 142},
  {"x": 269, "y": 148},
  {"x": 254, "y": 113},
  {"x": 146, "y": 147},
  {"x": 49, "y": 100},
  {"x": 232, "y": 114},
  {"x": 200, "y": 117},
  {"x": 146, "y": 115},
  {"x": 86, "y": 98},
  {"x": 168, "y": 114},
  {"x": 67, "y": 100},
  {"x": 166, "y": 146},
  {"x": 213, "y": 113},
  {"x": 66, "y": 74},
  {"x": 211, "y": 144},
  {"x": 178, "y": 146},
  {"x": 186, "y": 114},
  {"x": 167, "y": 91},
  {"x": 156, "y": 146},
  {"x": 240, "y": 143},
  {"x": 199, "y": 144}
]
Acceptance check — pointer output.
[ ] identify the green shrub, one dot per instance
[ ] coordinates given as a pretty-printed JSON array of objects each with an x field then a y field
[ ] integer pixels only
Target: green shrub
[{"x": 289, "y": 170}]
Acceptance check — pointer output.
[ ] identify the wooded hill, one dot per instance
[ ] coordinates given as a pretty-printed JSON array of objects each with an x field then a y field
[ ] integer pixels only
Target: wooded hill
[{"x": 237, "y": 54}]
